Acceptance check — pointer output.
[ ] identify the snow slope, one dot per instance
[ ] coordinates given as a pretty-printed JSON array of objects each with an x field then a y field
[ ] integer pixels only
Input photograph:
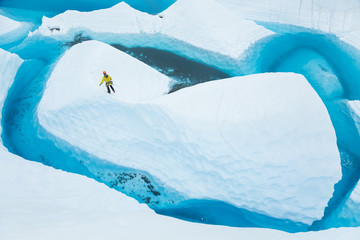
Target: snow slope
[
  {"x": 12, "y": 31},
  {"x": 184, "y": 28},
  {"x": 210, "y": 134}
]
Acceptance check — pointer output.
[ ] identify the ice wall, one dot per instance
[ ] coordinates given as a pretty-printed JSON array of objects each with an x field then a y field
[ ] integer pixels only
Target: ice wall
[{"x": 9, "y": 65}]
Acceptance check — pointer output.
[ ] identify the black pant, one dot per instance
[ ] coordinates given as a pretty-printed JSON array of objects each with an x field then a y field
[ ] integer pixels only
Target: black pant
[{"x": 108, "y": 88}]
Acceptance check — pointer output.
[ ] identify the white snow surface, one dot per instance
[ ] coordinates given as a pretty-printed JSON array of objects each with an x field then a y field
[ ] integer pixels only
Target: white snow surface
[
  {"x": 11, "y": 31},
  {"x": 211, "y": 134},
  {"x": 184, "y": 28}
]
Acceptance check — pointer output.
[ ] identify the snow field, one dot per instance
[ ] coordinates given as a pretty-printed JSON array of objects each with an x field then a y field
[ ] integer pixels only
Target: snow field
[{"x": 210, "y": 134}]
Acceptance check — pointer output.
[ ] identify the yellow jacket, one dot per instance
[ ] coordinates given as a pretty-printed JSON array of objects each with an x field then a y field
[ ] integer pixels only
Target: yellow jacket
[{"x": 107, "y": 80}]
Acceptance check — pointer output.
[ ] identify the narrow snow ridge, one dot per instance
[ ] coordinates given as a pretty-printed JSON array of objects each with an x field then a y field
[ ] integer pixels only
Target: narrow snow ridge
[{"x": 262, "y": 142}]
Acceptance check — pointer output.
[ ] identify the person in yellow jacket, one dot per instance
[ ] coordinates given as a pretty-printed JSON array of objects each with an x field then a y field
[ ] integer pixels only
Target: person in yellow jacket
[{"x": 108, "y": 81}]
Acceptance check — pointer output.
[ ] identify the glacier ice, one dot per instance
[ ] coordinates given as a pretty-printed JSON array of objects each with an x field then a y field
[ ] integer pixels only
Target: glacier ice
[
  {"x": 209, "y": 133},
  {"x": 320, "y": 15}
]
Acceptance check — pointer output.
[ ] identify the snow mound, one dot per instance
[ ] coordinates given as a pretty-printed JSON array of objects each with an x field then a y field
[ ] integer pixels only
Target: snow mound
[
  {"x": 261, "y": 142},
  {"x": 11, "y": 31},
  {"x": 9, "y": 65},
  {"x": 184, "y": 28}
]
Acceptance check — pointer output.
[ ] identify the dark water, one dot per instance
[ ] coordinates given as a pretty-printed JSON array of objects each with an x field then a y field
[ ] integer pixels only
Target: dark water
[{"x": 183, "y": 71}]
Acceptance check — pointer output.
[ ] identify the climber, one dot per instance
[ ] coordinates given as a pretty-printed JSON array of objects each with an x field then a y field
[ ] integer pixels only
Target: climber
[{"x": 108, "y": 81}]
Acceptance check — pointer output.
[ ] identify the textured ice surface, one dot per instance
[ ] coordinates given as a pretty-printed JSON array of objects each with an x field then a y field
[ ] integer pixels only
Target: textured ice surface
[
  {"x": 213, "y": 134},
  {"x": 9, "y": 64},
  {"x": 184, "y": 28}
]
